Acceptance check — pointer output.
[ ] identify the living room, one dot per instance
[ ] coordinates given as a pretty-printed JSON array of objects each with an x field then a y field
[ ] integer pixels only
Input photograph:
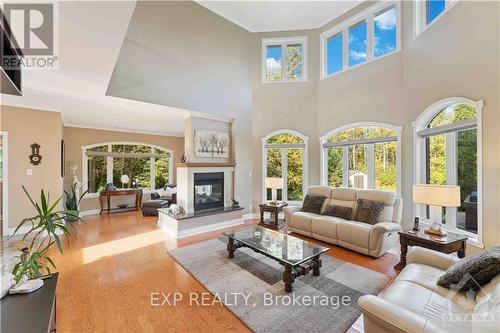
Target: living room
[{"x": 244, "y": 150}]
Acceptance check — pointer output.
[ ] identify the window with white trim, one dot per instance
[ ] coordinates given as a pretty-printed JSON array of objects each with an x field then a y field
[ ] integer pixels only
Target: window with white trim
[
  {"x": 148, "y": 166},
  {"x": 362, "y": 155},
  {"x": 284, "y": 59},
  {"x": 427, "y": 12},
  {"x": 448, "y": 146},
  {"x": 368, "y": 36},
  {"x": 284, "y": 155}
]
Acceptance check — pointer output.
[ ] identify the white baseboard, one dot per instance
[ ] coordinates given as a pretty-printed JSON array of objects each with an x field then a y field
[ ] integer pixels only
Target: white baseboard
[
  {"x": 199, "y": 230},
  {"x": 90, "y": 212}
]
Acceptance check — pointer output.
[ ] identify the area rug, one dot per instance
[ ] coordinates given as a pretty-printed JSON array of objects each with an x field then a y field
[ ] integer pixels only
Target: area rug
[{"x": 251, "y": 286}]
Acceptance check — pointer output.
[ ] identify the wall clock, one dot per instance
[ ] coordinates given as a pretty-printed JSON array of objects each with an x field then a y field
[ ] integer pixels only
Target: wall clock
[{"x": 35, "y": 157}]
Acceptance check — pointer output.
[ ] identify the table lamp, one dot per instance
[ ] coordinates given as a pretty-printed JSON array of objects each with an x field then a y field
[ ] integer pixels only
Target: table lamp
[
  {"x": 436, "y": 196},
  {"x": 124, "y": 179},
  {"x": 274, "y": 183}
]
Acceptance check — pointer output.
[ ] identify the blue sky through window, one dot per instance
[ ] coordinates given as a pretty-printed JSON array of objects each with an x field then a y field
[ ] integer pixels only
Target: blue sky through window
[
  {"x": 334, "y": 54},
  {"x": 273, "y": 62},
  {"x": 434, "y": 8},
  {"x": 384, "y": 32},
  {"x": 357, "y": 44}
]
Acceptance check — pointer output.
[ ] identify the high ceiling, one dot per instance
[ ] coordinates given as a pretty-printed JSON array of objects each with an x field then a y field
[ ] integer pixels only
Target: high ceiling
[
  {"x": 91, "y": 37},
  {"x": 260, "y": 16}
]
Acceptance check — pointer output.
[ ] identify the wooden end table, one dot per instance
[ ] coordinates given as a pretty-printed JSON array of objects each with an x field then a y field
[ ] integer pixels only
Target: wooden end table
[
  {"x": 274, "y": 222},
  {"x": 447, "y": 244}
]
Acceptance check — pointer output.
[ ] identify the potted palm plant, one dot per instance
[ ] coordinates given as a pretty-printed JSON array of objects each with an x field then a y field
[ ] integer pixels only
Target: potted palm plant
[
  {"x": 46, "y": 229},
  {"x": 73, "y": 203}
]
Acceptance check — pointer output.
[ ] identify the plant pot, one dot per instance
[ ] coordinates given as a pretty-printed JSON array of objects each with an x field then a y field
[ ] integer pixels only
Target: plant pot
[{"x": 72, "y": 215}]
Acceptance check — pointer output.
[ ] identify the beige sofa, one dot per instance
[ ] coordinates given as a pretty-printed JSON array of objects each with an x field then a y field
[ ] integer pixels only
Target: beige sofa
[
  {"x": 373, "y": 240},
  {"x": 415, "y": 303}
]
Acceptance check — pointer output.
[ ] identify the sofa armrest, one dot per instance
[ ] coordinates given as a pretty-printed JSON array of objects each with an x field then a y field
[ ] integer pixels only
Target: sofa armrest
[
  {"x": 289, "y": 210},
  {"x": 380, "y": 314},
  {"x": 420, "y": 255},
  {"x": 384, "y": 227}
]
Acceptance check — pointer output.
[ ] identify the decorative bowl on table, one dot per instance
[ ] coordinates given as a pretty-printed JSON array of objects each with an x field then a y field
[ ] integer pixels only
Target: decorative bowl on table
[{"x": 123, "y": 206}]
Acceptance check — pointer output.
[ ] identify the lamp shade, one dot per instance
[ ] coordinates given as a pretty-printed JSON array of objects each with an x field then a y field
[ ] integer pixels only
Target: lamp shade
[
  {"x": 124, "y": 179},
  {"x": 274, "y": 183},
  {"x": 437, "y": 195}
]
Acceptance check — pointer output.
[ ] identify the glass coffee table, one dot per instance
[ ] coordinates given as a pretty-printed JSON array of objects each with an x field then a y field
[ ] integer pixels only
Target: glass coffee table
[{"x": 296, "y": 255}]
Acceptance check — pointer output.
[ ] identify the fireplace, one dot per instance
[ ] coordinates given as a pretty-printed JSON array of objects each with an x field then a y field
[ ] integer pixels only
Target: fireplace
[{"x": 208, "y": 190}]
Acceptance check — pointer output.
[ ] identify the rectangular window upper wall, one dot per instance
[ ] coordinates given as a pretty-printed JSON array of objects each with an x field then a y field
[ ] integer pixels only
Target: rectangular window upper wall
[
  {"x": 428, "y": 12},
  {"x": 284, "y": 59},
  {"x": 365, "y": 37}
]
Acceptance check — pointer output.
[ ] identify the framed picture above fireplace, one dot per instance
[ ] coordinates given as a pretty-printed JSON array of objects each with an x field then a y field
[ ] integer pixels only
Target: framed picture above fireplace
[{"x": 211, "y": 144}]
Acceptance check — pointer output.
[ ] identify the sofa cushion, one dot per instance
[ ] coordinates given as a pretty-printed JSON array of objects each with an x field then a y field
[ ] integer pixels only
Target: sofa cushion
[
  {"x": 369, "y": 211},
  {"x": 302, "y": 220},
  {"x": 325, "y": 226},
  {"x": 320, "y": 190},
  {"x": 338, "y": 211},
  {"x": 344, "y": 194},
  {"x": 482, "y": 267},
  {"x": 312, "y": 204},
  {"x": 355, "y": 233},
  {"x": 388, "y": 198}
]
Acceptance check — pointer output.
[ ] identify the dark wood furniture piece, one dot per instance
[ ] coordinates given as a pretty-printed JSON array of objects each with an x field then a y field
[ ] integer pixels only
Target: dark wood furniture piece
[
  {"x": 33, "y": 312},
  {"x": 298, "y": 256},
  {"x": 447, "y": 244},
  {"x": 274, "y": 221},
  {"x": 120, "y": 192}
]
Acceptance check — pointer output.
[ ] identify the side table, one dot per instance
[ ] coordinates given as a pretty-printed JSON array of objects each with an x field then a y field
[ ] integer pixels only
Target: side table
[
  {"x": 274, "y": 222},
  {"x": 447, "y": 244}
]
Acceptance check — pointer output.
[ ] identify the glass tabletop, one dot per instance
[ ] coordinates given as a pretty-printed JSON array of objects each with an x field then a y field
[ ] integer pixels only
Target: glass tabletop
[{"x": 281, "y": 247}]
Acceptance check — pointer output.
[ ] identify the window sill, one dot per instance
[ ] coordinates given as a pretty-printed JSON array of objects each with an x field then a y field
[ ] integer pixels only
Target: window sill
[
  {"x": 286, "y": 81},
  {"x": 323, "y": 76},
  {"x": 472, "y": 239}
]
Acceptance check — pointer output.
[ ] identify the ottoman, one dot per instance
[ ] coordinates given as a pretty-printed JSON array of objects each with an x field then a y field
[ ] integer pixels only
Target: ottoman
[{"x": 150, "y": 207}]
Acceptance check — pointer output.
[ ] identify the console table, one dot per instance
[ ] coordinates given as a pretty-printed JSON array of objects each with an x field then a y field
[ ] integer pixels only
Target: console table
[
  {"x": 33, "y": 312},
  {"x": 120, "y": 192}
]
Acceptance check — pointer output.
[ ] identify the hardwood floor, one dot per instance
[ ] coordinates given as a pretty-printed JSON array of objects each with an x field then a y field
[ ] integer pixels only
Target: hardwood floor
[{"x": 108, "y": 273}]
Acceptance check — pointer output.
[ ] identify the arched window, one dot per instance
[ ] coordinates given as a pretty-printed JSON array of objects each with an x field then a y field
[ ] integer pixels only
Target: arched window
[
  {"x": 448, "y": 152},
  {"x": 284, "y": 155},
  {"x": 149, "y": 166},
  {"x": 362, "y": 155}
]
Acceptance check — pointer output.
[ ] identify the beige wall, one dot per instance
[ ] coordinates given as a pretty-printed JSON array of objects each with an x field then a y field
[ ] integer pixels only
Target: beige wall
[
  {"x": 457, "y": 56},
  {"x": 186, "y": 56},
  {"x": 192, "y": 124},
  {"x": 75, "y": 138},
  {"x": 284, "y": 106},
  {"x": 25, "y": 127}
]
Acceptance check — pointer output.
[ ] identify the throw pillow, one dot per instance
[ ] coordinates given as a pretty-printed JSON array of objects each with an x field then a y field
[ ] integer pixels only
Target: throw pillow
[
  {"x": 339, "y": 211},
  {"x": 312, "y": 204},
  {"x": 482, "y": 267},
  {"x": 369, "y": 211}
]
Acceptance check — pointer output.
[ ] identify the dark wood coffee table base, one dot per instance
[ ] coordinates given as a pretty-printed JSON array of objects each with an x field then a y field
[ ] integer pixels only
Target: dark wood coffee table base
[{"x": 291, "y": 272}]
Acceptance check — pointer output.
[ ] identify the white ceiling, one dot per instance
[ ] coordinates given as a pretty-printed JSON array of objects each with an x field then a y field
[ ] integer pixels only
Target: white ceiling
[
  {"x": 260, "y": 16},
  {"x": 90, "y": 38}
]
